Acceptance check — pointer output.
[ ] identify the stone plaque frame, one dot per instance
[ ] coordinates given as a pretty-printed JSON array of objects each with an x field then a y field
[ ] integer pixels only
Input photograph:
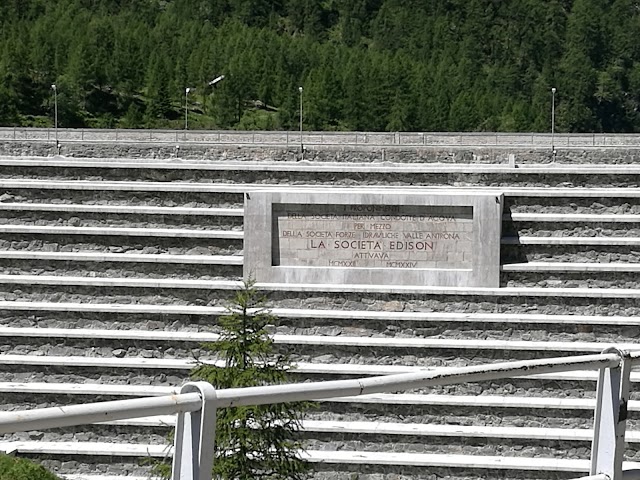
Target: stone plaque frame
[{"x": 261, "y": 255}]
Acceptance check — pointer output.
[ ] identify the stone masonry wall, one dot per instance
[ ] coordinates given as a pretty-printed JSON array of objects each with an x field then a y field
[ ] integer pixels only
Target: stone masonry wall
[
  {"x": 488, "y": 329},
  {"x": 430, "y": 154}
]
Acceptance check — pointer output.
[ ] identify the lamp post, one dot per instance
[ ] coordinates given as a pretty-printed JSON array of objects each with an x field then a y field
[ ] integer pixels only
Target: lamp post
[
  {"x": 55, "y": 111},
  {"x": 553, "y": 118},
  {"x": 186, "y": 108},
  {"x": 300, "y": 90},
  {"x": 213, "y": 83}
]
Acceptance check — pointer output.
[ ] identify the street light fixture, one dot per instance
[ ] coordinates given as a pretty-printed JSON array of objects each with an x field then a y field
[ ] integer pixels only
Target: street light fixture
[
  {"x": 553, "y": 118},
  {"x": 186, "y": 108},
  {"x": 214, "y": 83},
  {"x": 216, "y": 80},
  {"x": 55, "y": 111},
  {"x": 300, "y": 90}
]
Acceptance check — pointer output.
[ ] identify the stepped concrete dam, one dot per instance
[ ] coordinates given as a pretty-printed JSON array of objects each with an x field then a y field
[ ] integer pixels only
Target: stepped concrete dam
[{"x": 379, "y": 253}]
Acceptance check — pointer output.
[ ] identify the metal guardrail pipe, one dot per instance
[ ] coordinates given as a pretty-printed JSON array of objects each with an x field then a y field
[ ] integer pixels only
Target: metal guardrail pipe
[
  {"x": 338, "y": 388},
  {"x": 67, "y": 416},
  {"x": 311, "y": 139},
  {"x": 197, "y": 403}
]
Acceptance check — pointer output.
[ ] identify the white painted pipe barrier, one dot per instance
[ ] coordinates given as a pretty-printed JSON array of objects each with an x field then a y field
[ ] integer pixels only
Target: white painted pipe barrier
[
  {"x": 58, "y": 417},
  {"x": 405, "y": 381},
  {"x": 195, "y": 436},
  {"x": 612, "y": 396},
  {"x": 197, "y": 403}
]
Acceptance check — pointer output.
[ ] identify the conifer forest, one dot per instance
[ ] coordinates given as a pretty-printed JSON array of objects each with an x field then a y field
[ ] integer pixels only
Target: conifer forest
[{"x": 364, "y": 65}]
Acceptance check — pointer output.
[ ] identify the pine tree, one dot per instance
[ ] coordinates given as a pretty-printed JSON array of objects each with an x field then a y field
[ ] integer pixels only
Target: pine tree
[
  {"x": 252, "y": 442},
  {"x": 158, "y": 95}
]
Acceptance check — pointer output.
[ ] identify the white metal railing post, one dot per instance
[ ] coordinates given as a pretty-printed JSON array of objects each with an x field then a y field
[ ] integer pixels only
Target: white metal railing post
[
  {"x": 612, "y": 396},
  {"x": 195, "y": 436}
]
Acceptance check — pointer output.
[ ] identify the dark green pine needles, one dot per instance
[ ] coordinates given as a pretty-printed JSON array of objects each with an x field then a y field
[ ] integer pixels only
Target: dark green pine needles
[{"x": 253, "y": 442}]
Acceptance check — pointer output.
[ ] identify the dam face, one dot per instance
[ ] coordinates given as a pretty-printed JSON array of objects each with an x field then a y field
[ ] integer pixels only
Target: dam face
[{"x": 117, "y": 259}]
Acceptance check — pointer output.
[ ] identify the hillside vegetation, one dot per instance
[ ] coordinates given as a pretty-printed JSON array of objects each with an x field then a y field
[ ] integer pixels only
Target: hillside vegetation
[{"x": 396, "y": 65}]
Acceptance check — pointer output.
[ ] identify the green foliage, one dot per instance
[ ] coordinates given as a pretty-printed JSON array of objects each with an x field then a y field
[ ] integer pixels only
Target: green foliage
[
  {"x": 254, "y": 442},
  {"x": 364, "y": 64},
  {"x": 12, "y": 468},
  {"x": 71, "y": 102}
]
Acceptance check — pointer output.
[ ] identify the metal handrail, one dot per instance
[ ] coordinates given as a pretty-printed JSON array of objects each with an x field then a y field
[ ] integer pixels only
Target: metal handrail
[
  {"x": 316, "y": 138},
  {"x": 197, "y": 402},
  {"x": 55, "y": 417},
  {"x": 406, "y": 381}
]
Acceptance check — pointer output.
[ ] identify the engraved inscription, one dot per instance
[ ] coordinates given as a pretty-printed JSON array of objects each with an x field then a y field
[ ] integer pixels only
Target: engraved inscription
[{"x": 372, "y": 236}]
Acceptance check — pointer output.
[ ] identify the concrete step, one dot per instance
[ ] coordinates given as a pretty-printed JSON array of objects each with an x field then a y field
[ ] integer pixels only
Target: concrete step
[
  {"x": 108, "y": 220},
  {"x": 101, "y": 257},
  {"x": 149, "y": 200},
  {"x": 331, "y": 323},
  {"x": 538, "y": 305},
  {"x": 241, "y": 188},
  {"x": 328, "y": 342},
  {"x": 336, "y": 173},
  {"x": 585, "y": 218},
  {"x": 329, "y": 289},
  {"x": 331, "y": 436},
  {"x": 593, "y": 279},
  {"x": 187, "y": 272},
  {"x": 60, "y": 162},
  {"x": 575, "y": 267},
  {"x": 116, "y": 231},
  {"x": 390, "y": 430},
  {"x": 332, "y": 457},
  {"x": 360, "y": 316},
  {"x": 121, "y": 209},
  {"x": 569, "y": 253}
]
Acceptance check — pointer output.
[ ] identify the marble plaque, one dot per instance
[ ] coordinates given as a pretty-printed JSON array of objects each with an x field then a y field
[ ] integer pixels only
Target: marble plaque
[{"x": 373, "y": 237}]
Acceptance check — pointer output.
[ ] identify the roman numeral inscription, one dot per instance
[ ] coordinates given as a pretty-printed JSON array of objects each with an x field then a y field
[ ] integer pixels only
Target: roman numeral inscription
[{"x": 372, "y": 236}]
